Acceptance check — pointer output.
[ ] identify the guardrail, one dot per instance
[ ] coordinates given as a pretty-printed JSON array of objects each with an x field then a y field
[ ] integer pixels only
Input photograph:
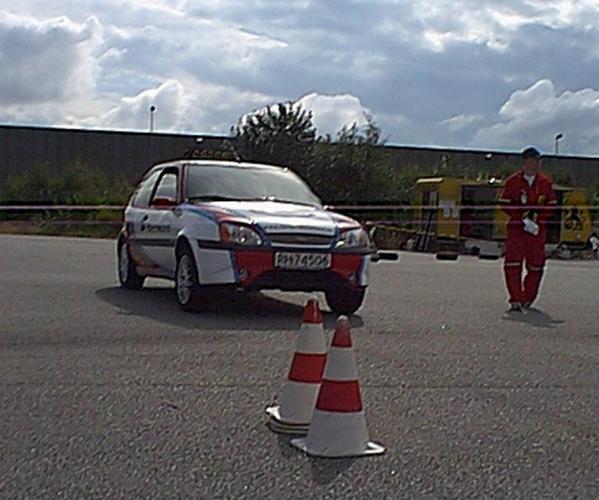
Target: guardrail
[
  {"x": 341, "y": 208},
  {"x": 102, "y": 221},
  {"x": 397, "y": 222},
  {"x": 356, "y": 209},
  {"x": 57, "y": 208}
]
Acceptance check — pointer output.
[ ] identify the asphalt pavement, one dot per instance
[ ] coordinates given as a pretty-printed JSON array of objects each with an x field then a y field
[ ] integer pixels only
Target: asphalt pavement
[{"x": 109, "y": 393}]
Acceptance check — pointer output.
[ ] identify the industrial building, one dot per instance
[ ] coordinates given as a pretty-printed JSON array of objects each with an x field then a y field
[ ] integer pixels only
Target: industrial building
[{"x": 132, "y": 153}]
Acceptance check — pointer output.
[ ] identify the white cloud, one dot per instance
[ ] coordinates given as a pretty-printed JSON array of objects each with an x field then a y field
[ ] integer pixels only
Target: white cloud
[
  {"x": 134, "y": 112},
  {"x": 41, "y": 61},
  {"x": 536, "y": 114},
  {"x": 496, "y": 25},
  {"x": 331, "y": 112},
  {"x": 411, "y": 64},
  {"x": 182, "y": 105},
  {"x": 460, "y": 122}
]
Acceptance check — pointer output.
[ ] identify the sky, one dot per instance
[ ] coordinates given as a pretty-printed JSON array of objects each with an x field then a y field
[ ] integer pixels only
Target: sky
[{"x": 451, "y": 73}]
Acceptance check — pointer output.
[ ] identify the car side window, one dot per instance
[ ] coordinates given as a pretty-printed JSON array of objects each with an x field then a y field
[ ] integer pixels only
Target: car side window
[
  {"x": 167, "y": 187},
  {"x": 144, "y": 191}
]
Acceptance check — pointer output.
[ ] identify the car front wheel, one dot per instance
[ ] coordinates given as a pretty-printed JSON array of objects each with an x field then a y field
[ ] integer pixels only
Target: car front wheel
[
  {"x": 128, "y": 276},
  {"x": 344, "y": 300},
  {"x": 187, "y": 286}
]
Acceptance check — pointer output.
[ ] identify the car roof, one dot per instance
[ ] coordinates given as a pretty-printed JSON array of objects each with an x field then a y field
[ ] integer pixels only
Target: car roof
[{"x": 219, "y": 163}]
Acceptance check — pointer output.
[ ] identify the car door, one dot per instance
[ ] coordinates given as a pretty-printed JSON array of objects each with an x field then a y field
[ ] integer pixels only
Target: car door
[
  {"x": 135, "y": 217},
  {"x": 160, "y": 226}
]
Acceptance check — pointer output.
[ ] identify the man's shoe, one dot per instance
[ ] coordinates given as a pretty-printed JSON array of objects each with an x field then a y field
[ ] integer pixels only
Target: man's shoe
[
  {"x": 527, "y": 305},
  {"x": 516, "y": 307}
]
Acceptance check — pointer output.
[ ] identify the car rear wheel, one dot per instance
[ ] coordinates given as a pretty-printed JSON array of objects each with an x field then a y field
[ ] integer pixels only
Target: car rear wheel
[
  {"x": 344, "y": 300},
  {"x": 128, "y": 276},
  {"x": 187, "y": 286}
]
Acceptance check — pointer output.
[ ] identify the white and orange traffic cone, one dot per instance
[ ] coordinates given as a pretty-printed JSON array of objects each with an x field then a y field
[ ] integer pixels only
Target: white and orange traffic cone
[
  {"x": 299, "y": 393},
  {"x": 338, "y": 427}
]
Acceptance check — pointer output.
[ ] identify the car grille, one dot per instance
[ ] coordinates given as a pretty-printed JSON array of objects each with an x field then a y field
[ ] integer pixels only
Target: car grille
[
  {"x": 300, "y": 240},
  {"x": 299, "y": 281}
]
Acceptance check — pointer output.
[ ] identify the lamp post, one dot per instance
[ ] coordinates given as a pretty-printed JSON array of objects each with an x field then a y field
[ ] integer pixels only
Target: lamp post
[
  {"x": 557, "y": 138},
  {"x": 152, "y": 111}
]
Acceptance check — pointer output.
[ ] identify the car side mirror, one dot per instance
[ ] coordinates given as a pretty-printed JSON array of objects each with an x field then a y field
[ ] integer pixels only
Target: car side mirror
[{"x": 161, "y": 202}]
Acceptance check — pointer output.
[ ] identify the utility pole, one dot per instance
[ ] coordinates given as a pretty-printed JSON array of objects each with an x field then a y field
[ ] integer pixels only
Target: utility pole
[
  {"x": 152, "y": 111},
  {"x": 557, "y": 138}
]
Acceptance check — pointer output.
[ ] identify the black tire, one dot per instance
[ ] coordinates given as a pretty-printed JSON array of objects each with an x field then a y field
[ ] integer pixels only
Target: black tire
[
  {"x": 388, "y": 255},
  {"x": 488, "y": 257},
  {"x": 187, "y": 287},
  {"x": 447, "y": 255},
  {"x": 128, "y": 277},
  {"x": 344, "y": 300}
]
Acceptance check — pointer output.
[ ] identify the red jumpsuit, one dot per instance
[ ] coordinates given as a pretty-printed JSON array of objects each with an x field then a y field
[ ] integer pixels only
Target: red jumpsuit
[{"x": 517, "y": 198}]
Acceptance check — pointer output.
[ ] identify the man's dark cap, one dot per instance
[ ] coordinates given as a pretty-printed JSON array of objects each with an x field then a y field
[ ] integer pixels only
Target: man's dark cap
[{"x": 531, "y": 153}]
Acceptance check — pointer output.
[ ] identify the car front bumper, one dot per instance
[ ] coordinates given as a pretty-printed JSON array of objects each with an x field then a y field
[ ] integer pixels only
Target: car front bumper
[{"x": 255, "y": 270}]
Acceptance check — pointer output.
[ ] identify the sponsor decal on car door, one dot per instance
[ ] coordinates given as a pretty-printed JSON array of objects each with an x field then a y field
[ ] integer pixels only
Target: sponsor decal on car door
[{"x": 158, "y": 228}]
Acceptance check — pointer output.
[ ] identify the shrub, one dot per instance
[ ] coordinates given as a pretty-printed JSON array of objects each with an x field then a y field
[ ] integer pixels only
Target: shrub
[{"x": 74, "y": 184}]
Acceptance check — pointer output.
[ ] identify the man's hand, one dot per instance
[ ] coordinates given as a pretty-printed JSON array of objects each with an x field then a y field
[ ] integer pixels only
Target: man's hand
[
  {"x": 530, "y": 226},
  {"x": 530, "y": 214}
]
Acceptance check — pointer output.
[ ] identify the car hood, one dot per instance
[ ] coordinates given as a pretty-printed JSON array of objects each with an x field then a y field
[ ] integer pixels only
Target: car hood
[{"x": 276, "y": 217}]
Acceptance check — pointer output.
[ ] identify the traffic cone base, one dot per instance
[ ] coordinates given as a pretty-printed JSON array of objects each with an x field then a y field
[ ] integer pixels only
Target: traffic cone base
[
  {"x": 278, "y": 425},
  {"x": 371, "y": 449},
  {"x": 328, "y": 436}
]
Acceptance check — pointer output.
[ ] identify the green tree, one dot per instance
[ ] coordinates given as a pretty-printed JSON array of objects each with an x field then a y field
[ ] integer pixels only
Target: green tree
[
  {"x": 282, "y": 134},
  {"x": 355, "y": 167},
  {"x": 351, "y": 167}
]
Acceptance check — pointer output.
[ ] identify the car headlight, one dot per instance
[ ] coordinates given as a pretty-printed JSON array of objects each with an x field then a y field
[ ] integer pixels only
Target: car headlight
[
  {"x": 237, "y": 234},
  {"x": 353, "y": 238}
]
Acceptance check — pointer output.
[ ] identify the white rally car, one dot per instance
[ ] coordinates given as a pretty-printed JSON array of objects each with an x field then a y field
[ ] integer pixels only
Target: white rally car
[{"x": 214, "y": 224}]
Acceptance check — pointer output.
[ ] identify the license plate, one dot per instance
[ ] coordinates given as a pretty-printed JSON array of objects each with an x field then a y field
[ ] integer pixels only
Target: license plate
[{"x": 302, "y": 261}]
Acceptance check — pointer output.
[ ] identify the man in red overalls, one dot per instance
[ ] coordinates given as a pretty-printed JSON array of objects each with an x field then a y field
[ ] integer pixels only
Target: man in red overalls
[{"x": 529, "y": 199}]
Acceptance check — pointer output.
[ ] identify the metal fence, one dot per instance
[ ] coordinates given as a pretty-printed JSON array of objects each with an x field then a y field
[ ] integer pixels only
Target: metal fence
[
  {"x": 399, "y": 216},
  {"x": 392, "y": 227}
]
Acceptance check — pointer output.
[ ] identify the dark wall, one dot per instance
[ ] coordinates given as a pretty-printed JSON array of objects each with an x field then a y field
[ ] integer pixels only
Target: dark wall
[
  {"x": 132, "y": 153},
  {"x": 129, "y": 153},
  {"x": 581, "y": 171}
]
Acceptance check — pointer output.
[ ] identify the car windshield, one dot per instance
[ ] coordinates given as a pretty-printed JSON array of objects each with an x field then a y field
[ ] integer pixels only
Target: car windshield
[{"x": 245, "y": 183}]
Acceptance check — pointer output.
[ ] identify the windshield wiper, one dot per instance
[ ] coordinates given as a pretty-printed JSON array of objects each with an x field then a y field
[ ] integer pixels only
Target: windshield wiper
[
  {"x": 285, "y": 200},
  {"x": 218, "y": 197},
  {"x": 214, "y": 197}
]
